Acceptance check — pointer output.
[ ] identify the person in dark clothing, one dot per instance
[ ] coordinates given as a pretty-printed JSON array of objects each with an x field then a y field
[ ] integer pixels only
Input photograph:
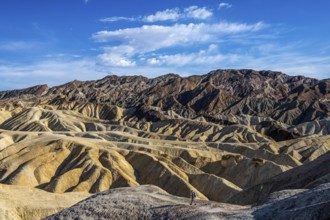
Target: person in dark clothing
[{"x": 193, "y": 197}]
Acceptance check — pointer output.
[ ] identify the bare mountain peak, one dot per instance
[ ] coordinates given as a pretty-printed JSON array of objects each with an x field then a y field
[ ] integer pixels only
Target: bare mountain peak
[{"x": 222, "y": 91}]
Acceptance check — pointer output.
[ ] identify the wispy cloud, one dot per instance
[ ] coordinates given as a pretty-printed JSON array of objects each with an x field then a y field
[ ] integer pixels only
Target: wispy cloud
[
  {"x": 142, "y": 40},
  {"x": 174, "y": 14},
  {"x": 203, "y": 57},
  {"x": 168, "y": 14},
  {"x": 197, "y": 12},
  {"x": 62, "y": 71},
  {"x": 117, "y": 18},
  {"x": 293, "y": 63},
  {"x": 16, "y": 46},
  {"x": 223, "y": 5},
  {"x": 55, "y": 72},
  {"x": 158, "y": 36},
  {"x": 48, "y": 71},
  {"x": 149, "y": 45}
]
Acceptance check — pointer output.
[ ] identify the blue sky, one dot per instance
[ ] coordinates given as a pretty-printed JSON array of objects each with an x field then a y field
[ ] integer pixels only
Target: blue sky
[{"x": 56, "y": 41}]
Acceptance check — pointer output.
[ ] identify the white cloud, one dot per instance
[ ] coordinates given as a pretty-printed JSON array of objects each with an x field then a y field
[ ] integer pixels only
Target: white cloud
[
  {"x": 117, "y": 18},
  {"x": 209, "y": 56},
  {"x": 154, "y": 61},
  {"x": 197, "y": 13},
  {"x": 168, "y": 14},
  {"x": 119, "y": 56},
  {"x": 140, "y": 41},
  {"x": 224, "y": 5},
  {"x": 152, "y": 37},
  {"x": 110, "y": 59},
  {"x": 174, "y": 14}
]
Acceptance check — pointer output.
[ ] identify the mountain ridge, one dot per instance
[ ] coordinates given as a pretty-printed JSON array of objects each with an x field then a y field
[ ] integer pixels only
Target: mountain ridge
[{"x": 220, "y": 92}]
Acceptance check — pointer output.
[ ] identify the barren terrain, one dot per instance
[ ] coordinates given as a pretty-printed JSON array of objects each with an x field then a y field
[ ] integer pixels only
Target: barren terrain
[{"x": 232, "y": 136}]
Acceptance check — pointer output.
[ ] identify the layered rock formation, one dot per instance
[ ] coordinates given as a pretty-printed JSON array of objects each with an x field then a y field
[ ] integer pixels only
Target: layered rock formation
[{"x": 224, "y": 134}]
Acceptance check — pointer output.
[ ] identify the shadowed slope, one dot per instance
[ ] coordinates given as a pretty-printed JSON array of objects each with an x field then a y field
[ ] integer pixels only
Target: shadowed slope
[{"x": 308, "y": 175}]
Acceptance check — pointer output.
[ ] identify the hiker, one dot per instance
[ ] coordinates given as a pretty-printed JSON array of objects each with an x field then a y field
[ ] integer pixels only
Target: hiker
[{"x": 193, "y": 196}]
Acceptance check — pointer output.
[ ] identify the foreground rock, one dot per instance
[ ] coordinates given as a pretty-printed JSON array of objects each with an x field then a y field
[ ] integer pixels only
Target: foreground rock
[
  {"x": 297, "y": 204},
  {"x": 144, "y": 202},
  {"x": 150, "y": 202},
  {"x": 22, "y": 203}
]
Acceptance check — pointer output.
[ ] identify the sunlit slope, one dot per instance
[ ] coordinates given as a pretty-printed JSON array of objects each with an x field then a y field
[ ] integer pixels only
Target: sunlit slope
[
  {"x": 96, "y": 161},
  {"x": 25, "y": 203}
]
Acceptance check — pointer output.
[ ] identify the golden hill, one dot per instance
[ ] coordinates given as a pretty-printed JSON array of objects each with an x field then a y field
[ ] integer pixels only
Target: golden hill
[{"x": 67, "y": 150}]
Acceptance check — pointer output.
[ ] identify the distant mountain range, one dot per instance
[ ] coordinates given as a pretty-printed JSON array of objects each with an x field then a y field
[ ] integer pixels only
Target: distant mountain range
[
  {"x": 274, "y": 102},
  {"x": 287, "y": 99}
]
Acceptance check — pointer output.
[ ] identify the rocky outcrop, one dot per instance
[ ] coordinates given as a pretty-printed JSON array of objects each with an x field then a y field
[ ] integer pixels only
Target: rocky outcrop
[{"x": 149, "y": 202}]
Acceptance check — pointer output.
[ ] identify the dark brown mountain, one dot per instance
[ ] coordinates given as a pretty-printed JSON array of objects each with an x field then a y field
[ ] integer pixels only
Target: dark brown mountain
[
  {"x": 288, "y": 99},
  {"x": 35, "y": 91}
]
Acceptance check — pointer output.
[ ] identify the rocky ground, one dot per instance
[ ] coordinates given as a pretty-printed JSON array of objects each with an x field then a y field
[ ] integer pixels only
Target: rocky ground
[{"x": 150, "y": 202}]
